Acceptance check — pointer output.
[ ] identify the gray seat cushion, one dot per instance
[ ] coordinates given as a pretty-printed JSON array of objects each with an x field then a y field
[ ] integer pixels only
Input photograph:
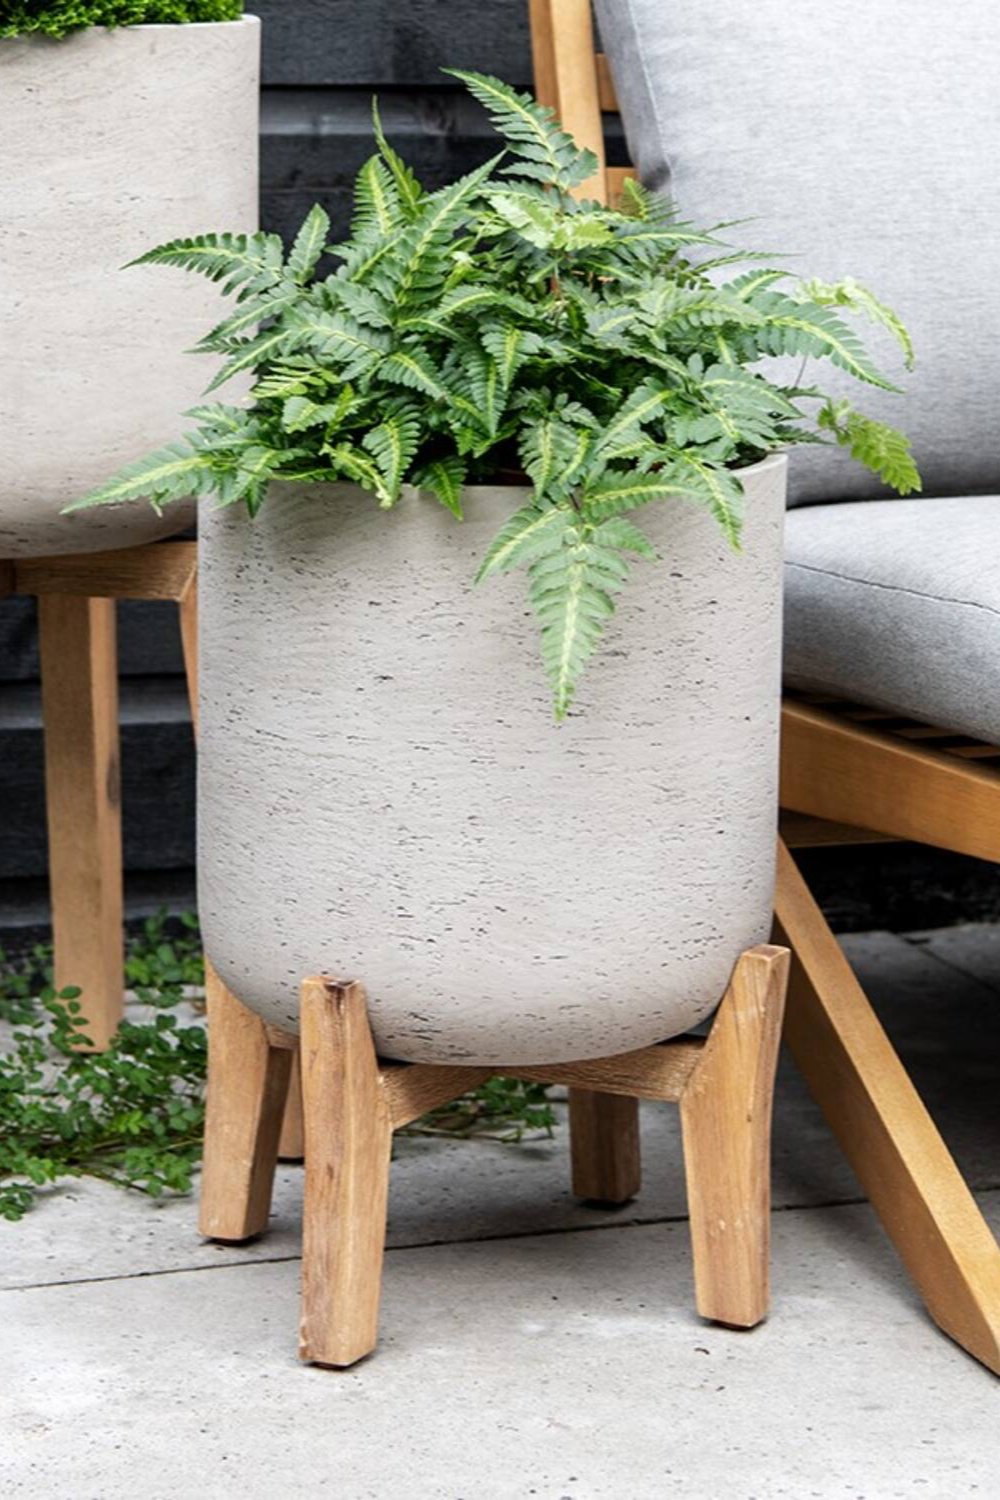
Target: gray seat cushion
[
  {"x": 897, "y": 603},
  {"x": 864, "y": 136}
]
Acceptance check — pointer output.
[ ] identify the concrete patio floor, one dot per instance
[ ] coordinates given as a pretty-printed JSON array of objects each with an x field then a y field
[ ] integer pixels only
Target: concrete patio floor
[{"x": 531, "y": 1346}]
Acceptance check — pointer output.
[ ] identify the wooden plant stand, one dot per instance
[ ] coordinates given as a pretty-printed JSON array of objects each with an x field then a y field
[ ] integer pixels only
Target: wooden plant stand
[
  {"x": 353, "y": 1101},
  {"x": 79, "y": 669}
]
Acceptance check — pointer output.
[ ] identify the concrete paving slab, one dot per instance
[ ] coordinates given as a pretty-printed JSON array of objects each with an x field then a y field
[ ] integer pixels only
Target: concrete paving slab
[
  {"x": 945, "y": 1023},
  {"x": 565, "y": 1366},
  {"x": 974, "y": 948}
]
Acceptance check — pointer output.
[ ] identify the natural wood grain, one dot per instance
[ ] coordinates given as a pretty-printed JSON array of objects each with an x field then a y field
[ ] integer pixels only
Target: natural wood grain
[
  {"x": 604, "y": 1146},
  {"x": 802, "y": 832},
  {"x": 158, "y": 570},
  {"x": 292, "y": 1146},
  {"x": 187, "y": 606},
  {"x": 615, "y": 179},
  {"x": 726, "y": 1127},
  {"x": 885, "y": 1130},
  {"x": 79, "y": 670},
  {"x": 566, "y": 79},
  {"x": 847, "y": 772},
  {"x": 247, "y": 1084},
  {"x": 414, "y": 1088},
  {"x": 348, "y": 1138},
  {"x": 659, "y": 1072},
  {"x": 606, "y": 85}
]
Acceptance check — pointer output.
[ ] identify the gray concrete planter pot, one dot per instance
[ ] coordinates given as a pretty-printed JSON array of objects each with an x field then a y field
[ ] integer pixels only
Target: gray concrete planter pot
[
  {"x": 384, "y": 796},
  {"x": 113, "y": 141}
]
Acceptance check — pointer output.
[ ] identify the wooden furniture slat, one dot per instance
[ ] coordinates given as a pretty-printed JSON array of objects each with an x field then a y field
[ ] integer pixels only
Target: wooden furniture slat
[
  {"x": 884, "y": 1129},
  {"x": 800, "y": 831},
  {"x": 79, "y": 671},
  {"x": 832, "y": 768},
  {"x": 160, "y": 570}
]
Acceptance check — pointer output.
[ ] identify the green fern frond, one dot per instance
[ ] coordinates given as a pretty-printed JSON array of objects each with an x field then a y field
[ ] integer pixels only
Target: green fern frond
[
  {"x": 444, "y": 478},
  {"x": 393, "y": 443},
  {"x": 377, "y": 204},
  {"x": 413, "y": 369},
  {"x": 850, "y": 293},
  {"x": 806, "y": 328},
  {"x": 542, "y": 147},
  {"x": 308, "y": 244},
  {"x": 409, "y": 191},
  {"x": 254, "y": 262},
  {"x": 175, "y": 472},
  {"x": 527, "y": 533},
  {"x": 718, "y": 489},
  {"x": 882, "y": 449}
]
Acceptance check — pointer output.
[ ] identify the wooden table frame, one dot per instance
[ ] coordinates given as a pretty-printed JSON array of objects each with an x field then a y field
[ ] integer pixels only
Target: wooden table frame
[{"x": 847, "y": 773}]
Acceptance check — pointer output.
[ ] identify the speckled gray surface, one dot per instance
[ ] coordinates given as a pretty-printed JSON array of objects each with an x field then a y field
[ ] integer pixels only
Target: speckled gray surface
[
  {"x": 384, "y": 796},
  {"x": 113, "y": 142}
]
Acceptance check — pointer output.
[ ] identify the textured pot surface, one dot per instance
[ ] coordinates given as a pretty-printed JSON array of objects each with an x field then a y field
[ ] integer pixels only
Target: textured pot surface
[
  {"x": 113, "y": 142},
  {"x": 384, "y": 795}
]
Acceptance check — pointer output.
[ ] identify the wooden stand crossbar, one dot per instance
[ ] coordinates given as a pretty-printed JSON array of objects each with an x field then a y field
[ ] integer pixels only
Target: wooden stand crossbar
[
  {"x": 353, "y": 1102},
  {"x": 79, "y": 669}
]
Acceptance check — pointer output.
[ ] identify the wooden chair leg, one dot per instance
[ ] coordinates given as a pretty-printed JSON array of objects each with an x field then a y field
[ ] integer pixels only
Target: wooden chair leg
[
  {"x": 884, "y": 1129},
  {"x": 248, "y": 1077},
  {"x": 292, "y": 1146},
  {"x": 726, "y": 1127},
  {"x": 348, "y": 1138},
  {"x": 604, "y": 1146},
  {"x": 83, "y": 802}
]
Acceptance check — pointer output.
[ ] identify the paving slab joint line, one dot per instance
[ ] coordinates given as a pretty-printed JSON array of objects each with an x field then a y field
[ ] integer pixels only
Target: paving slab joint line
[{"x": 912, "y": 940}]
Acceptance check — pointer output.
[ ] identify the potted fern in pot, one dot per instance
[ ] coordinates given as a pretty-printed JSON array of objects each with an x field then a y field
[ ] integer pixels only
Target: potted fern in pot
[
  {"x": 122, "y": 121},
  {"x": 496, "y": 382}
]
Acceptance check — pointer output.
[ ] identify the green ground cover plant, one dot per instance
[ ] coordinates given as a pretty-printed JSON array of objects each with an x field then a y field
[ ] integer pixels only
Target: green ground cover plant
[
  {"x": 502, "y": 328},
  {"x": 58, "y": 18},
  {"x": 134, "y": 1115}
]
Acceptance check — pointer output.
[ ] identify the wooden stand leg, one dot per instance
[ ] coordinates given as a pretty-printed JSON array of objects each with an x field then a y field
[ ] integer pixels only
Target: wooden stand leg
[
  {"x": 83, "y": 802},
  {"x": 726, "y": 1126},
  {"x": 885, "y": 1131},
  {"x": 292, "y": 1146},
  {"x": 604, "y": 1146},
  {"x": 248, "y": 1076},
  {"x": 348, "y": 1137}
]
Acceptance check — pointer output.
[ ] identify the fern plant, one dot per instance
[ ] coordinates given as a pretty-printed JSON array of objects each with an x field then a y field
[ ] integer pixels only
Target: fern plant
[{"x": 502, "y": 326}]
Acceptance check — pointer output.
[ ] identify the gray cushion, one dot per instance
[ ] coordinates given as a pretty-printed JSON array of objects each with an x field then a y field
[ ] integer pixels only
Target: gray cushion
[
  {"x": 898, "y": 604},
  {"x": 865, "y": 136}
]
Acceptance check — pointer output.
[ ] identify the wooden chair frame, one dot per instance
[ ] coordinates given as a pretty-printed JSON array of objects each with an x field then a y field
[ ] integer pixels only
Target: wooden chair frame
[
  {"x": 353, "y": 1102},
  {"x": 847, "y": 774}
]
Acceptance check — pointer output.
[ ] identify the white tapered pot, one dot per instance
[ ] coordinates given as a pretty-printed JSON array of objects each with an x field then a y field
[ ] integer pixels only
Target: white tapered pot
[
  {"x": 384, "y": 795},
  {"x": 113, "y": 142}
]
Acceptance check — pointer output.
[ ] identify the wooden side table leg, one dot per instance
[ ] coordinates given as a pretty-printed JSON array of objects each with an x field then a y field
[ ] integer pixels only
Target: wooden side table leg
[
  {"x": 348, "y": 1129},
  {"x": 83, "y": 802},
  {"x": 604, "y": 1146},
  {"x": 247, "y": 1083},
  {"x": 726, "y": 1127}
]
